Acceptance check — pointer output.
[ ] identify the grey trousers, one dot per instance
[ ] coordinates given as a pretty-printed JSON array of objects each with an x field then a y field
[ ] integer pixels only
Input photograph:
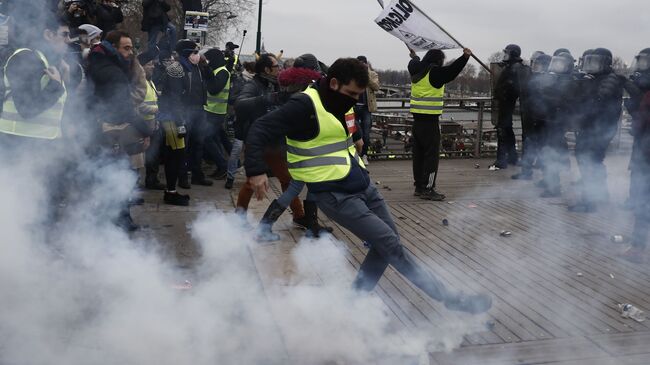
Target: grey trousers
[{"x": 366, "y": 215}]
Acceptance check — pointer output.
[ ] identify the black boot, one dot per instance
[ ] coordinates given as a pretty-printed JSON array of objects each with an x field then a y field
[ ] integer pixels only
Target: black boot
[
  {"x": 125, "y": 221},
  {"x": 265, "y": 228},
  {"x": 314, "y": 229}
]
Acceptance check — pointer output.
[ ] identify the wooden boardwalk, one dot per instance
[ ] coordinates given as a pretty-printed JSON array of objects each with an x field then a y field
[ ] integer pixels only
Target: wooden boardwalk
[{"x": 556, "y": 281}]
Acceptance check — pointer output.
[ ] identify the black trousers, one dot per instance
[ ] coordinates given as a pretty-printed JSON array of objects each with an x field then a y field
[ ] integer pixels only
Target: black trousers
[
  {"x": 426, "y": 149},
  {"x": 174, "y": 162},
  {"x": 506, "y": 140}
]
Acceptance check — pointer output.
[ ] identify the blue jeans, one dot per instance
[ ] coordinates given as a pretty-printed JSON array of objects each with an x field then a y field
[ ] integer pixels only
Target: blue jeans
[
  {"x": 366, "y": 215},
  {"x": 233, "y": 161},
  {"x": 170, "y": 32},
  {"x": 294, "y": 189}
]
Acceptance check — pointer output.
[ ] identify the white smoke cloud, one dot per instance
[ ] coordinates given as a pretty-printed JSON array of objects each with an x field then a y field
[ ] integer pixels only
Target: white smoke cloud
[{"x": 80, "y": 291}]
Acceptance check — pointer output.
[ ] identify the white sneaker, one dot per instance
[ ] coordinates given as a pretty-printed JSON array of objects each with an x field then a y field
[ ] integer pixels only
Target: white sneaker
[{"x": 365, "y": 160}]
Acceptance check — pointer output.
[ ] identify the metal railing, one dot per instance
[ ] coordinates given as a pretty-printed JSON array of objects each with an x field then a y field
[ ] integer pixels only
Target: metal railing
[{"x": 465, "y": 136}]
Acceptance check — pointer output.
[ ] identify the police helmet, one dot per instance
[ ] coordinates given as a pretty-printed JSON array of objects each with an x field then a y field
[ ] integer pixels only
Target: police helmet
[
  {"x": 597, "y": 62},
  {"x": 561, "y": 64}
]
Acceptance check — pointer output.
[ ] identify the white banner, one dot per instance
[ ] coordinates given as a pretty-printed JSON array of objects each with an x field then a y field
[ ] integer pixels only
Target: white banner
[{"x": 406, "y": 22}]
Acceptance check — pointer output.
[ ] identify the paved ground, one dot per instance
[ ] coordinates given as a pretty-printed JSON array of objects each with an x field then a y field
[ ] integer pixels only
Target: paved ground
[{"x": 556, "y": 281}]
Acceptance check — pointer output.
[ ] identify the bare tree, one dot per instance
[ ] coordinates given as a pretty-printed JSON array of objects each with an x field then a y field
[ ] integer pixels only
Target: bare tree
[{"x": 225, "y": 16}]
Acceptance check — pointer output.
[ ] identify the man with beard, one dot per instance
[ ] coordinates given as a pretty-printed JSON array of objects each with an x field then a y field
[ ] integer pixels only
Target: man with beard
[
  {"x": 111, "y": 69},
  {"x": 321, "y": 153}
]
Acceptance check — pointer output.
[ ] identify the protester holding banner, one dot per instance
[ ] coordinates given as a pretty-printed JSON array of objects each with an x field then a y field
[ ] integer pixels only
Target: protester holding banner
[{"x": 428, "y": 79}]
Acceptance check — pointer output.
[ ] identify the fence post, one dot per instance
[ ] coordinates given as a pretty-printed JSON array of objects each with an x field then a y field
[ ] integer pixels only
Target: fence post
[{"x": 479, "y": 130}]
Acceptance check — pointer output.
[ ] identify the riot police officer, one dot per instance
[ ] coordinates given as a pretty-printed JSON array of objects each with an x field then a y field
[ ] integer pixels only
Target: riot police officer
[
  {"x": 600, "y": 114},
  {"x": 535, "y": 113},
  {"x": 507, "y": 91},
  {"x": 639, "y": 107},
  {"x": 556, "y": 90}
]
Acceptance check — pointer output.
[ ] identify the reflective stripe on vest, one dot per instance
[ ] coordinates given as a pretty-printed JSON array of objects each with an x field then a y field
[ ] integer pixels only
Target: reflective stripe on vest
[
  {"x": 218, "y": 104},
  {"x": 150, "y": 99},
  {"x": 326, "y": 157},
  {"x": 46, "y": 125},
  {"x": 426, "y": 99}
]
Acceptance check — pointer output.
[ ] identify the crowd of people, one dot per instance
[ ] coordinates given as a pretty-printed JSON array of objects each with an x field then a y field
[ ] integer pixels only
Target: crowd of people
[{"x": 558, "y": 94}]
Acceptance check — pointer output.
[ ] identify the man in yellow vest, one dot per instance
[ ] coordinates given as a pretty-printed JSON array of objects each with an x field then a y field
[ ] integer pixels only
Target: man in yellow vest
[
  {"x": 428, "y": 79},
  {"x": 218, "y": 85},
  {"x": 35, "y": 88},
  {"x": 321, "y": 153}
]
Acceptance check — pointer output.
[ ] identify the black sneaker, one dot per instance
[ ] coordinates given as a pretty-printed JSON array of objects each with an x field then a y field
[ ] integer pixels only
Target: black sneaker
[
  {"x": 219, "y": 174},
  {"x": 419, "y": 191},
  {"x": 474, "y": 304},
  {"x": 433, "y": 195},
  {"x": 174, "y": 198},
  {"x": 201, "y": 180},
  {"x": 229, "y": 183}
]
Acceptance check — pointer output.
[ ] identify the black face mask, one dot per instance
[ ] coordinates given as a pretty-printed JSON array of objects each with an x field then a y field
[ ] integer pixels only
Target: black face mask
[{"x": 337, "y": 103}]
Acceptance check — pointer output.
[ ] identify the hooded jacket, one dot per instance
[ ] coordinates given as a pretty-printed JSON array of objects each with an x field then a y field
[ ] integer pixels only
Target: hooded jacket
[{"x": 113, "y": 100}]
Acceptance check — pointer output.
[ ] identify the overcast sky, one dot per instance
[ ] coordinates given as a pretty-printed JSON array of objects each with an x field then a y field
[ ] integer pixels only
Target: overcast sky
[{"x": 337, "y": 28}]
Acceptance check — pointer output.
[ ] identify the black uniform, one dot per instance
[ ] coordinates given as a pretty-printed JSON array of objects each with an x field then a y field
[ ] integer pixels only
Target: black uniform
[
  {"x": 600, "y": 114},
  {"x": 507, "y": 91}
]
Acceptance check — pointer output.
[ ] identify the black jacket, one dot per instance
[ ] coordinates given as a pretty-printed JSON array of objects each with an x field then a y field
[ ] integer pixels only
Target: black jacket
[
  {"x": 108, "y": 17},
  {"x": 257, "y": 98},
  {"x": 24, "y": 73},
  {"x": 181, "y": 89},
  {"x": 154, "y": 12},
  {"x": 112, "y": 87},
  {"x": 439, "y": 75},
  {"x": 297, "y": 120},
  {"x": 509, "y": 85}
]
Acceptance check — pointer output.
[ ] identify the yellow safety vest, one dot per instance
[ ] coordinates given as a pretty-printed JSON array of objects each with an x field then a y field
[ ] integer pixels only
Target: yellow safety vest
[
  {"x": 46, "y": 125},
  {"x": 426, "y": 99},
  {"x": 151, "y": 99},
  {"x": 218, "y": 104},
  {"x": 326, "y": 157}
]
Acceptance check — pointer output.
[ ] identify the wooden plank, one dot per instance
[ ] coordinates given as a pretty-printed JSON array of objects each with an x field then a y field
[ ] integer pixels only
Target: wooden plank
[
  {"x": 557, "y": 291},
  {"x": 539, "y": 312},
  {"x": 536, "y": 352}
]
